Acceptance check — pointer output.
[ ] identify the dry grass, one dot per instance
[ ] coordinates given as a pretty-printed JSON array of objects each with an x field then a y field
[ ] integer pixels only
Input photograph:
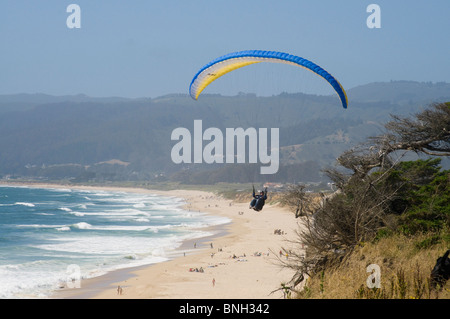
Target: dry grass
[{"x": 404, "y": 269}]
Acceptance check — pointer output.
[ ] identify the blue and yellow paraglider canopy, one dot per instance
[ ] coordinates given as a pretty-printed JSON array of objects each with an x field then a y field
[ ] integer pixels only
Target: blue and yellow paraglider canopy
[{"x": 232, "y": 61}]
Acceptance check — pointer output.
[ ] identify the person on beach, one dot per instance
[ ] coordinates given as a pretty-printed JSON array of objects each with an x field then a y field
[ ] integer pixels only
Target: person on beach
[
  {"x": 214, "y": 282},
  {"x": 258, "y": 200}
]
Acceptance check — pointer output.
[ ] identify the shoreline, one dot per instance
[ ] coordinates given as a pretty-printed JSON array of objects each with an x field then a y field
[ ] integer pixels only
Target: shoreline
[
  {"x": 92, "y": 287},
  {"x": 249, "y": 237},
  {"x": 95, "y": 286}
]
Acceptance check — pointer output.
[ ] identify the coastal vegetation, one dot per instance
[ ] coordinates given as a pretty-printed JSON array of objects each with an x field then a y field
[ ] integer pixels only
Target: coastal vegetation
[{"x": 387, "y": 212}]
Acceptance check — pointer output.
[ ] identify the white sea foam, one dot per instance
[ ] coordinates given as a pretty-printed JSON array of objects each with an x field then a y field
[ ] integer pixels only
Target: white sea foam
[
  {"x": 25, "y": 204},
  {"x": 100, "y": 232},
  {"x": 82, "y": 225},
  {"x": 60, "y": 190},
  {"x": 110, "y": 245},
  {"x": 79, "y": 214},
  {"x": 113, "y": 214},
  {"x": 39, "y": 226}
]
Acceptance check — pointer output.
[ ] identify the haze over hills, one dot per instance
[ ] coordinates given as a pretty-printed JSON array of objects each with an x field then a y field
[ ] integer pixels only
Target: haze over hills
[{"x": 97, "y": 139}]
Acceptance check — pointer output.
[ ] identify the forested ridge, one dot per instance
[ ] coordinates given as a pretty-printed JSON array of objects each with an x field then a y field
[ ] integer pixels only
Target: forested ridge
[{"x": 117, "y": 139}]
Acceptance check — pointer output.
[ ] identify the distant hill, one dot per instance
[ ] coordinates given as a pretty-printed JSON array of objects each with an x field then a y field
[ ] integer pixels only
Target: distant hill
[
  {"x": 112, "y": 138},
  {"x": 18, "y": 102},
  {"x": 401, "y": 92}
]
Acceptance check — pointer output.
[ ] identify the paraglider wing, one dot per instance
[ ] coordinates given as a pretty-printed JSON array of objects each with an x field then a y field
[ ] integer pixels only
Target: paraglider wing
[{"x": 232, "y": 61}]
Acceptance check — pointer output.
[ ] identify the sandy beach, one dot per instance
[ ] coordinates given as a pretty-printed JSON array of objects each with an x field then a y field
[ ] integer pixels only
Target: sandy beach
[{"x": 240, "y": 262}]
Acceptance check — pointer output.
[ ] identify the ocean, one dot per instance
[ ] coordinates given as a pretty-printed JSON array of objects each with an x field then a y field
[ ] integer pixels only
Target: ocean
[{"x": 49, "y": 237}]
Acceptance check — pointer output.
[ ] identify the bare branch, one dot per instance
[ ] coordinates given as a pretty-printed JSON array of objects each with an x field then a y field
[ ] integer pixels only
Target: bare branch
[{"x": 333, "y": 225}]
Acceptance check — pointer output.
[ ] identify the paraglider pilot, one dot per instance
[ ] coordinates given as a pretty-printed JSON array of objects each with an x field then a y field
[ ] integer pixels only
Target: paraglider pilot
[{"x": 258, "y": 200}]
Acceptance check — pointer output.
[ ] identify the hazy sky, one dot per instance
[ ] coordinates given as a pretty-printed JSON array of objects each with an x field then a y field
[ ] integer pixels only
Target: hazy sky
[{"x": 151, "y": 48}]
